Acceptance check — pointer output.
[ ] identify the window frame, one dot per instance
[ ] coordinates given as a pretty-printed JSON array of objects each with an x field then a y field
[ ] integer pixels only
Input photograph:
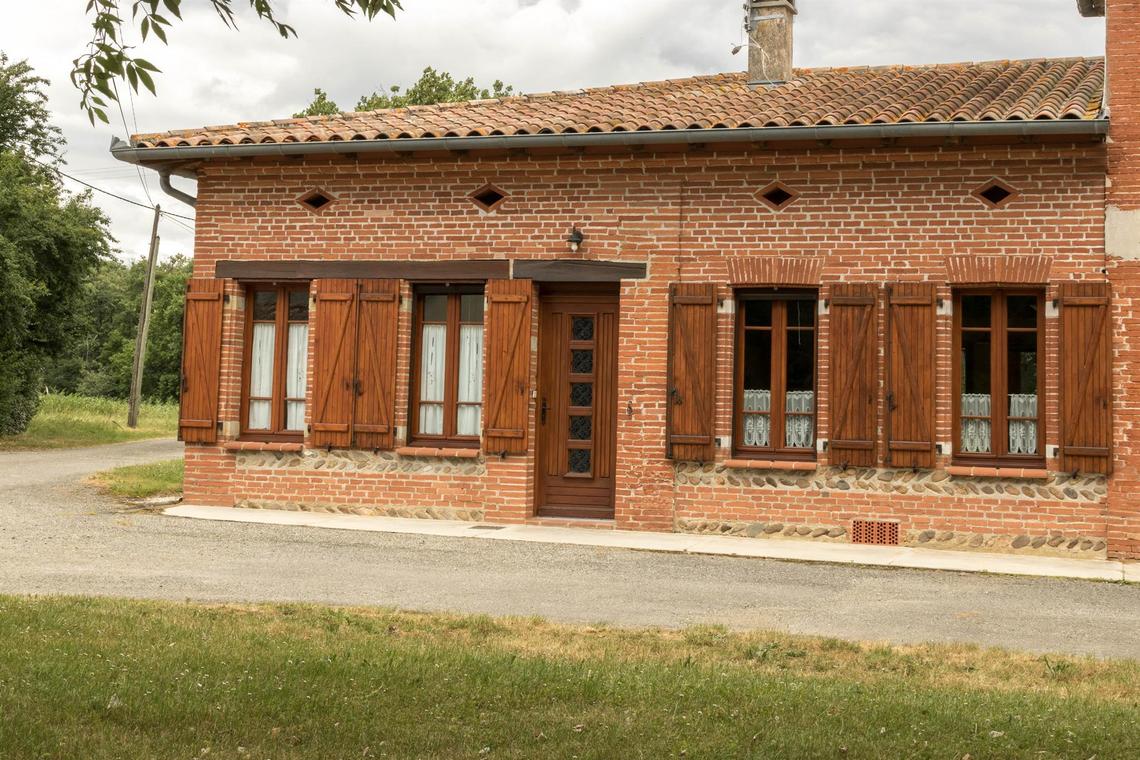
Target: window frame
[
  {"x": 999, "y": 379},
  {"x": 278, "y": 406},
  {"x": 449, "y": 438},
  {"x": 777, "y": 413}
]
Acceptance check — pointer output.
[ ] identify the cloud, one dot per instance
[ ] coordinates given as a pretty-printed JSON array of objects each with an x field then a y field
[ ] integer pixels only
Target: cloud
[{"x": 212, "y": 75}]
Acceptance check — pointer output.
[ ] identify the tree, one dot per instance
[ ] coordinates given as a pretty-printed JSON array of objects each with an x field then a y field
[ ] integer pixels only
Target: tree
[
  {"x": 96, "y": 358},
  {"x": 108, "y": 58},
  {"x": 432, "y": 87},
  {"x": 49, "y": 241}
]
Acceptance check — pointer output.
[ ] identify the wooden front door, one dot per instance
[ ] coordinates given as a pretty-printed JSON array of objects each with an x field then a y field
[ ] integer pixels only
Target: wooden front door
[{"x": 577, "y": 402}]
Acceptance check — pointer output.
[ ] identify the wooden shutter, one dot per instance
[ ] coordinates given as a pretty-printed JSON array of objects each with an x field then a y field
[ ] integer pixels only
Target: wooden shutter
[
  {"x": 508, "y": 366},
  {"x": 1086, "y": 377},
  {"x": 378, "y": 307},
  {"x": 201, "y": 360},
  {"x": 334, "y": 363},
  {"x": 690, "y": 405},
  {"x": 854, "y": 382},
  {"x": 910, "y": 375}
]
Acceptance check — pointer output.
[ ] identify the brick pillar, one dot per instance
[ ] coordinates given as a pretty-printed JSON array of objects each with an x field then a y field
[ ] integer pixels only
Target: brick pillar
[{"x": 1122, "y": 247}]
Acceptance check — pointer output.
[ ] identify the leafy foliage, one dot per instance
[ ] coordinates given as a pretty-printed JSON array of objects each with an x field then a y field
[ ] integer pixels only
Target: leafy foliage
[
  {"x": 49, "y": 241},
  {"x": 24, "y": 125},
  {"x": 109, "y": 59},
  {"x": 97, "y": 356},
  {"x": 432, "y": 87}
]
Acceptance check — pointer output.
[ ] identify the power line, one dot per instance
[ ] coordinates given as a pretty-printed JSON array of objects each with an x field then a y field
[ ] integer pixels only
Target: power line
[{"x": 108, "y": 192}]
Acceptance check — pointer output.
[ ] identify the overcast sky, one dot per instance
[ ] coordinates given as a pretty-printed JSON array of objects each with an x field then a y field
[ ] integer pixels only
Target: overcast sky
[{"x": 212, "y": 75}]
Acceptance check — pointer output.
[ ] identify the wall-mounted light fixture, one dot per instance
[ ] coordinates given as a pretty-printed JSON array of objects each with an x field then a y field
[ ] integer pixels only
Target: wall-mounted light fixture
[{"x": 575, "y": 239}]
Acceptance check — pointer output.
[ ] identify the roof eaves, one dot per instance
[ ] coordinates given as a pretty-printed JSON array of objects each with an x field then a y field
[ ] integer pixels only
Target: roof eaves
[{"x": 1088, "y": 128}]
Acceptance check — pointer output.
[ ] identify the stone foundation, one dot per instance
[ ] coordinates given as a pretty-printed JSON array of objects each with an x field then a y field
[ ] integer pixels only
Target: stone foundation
[
  {"x": 423, "y": 513},
  {"x": 831, "y": 533},
  {"x": 339, "y": 460},
  {"x": 1060, "y": 487},
  {"x": 1054, "y": 544}
]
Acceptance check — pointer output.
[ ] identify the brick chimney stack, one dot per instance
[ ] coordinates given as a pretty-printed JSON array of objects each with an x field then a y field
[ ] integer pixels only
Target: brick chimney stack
[{"x": 769, "y": 27}]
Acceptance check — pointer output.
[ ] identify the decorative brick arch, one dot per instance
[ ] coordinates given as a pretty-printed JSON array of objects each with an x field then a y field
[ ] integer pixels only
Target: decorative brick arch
[
  {"x": 774, "y": 270},
  {"x": 998, "y": 270}
]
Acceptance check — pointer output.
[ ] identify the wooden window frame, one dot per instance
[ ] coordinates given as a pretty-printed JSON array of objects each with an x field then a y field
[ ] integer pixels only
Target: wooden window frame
[
  {"x": 999, "y": 379},
  {"x": 449, "y": 438},
  {"x": 779, "y": 329},
  {"x": 277, "y": 406}
]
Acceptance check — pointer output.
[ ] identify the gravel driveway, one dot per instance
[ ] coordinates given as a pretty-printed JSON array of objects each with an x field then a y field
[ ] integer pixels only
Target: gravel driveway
[{"x": 59, "y": 536}]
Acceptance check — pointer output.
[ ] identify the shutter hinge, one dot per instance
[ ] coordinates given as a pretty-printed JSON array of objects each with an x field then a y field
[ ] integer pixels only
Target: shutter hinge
[
  {"x": 225, "y": 298},
  {"x": 938, "y": 448}
]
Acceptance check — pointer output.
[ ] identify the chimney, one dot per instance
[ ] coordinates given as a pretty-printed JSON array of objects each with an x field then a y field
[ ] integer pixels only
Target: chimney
[{"x": 769, "y": 28}]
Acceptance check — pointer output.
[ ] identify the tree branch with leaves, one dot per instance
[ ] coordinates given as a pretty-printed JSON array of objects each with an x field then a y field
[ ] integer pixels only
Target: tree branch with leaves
[{"x": 108, "y": 58}]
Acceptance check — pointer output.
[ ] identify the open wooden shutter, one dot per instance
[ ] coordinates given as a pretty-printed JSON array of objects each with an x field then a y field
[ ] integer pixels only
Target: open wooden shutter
[
  {"x": 508, "y": 366},
  {"x": 1086, "y": 377},
  {"x": 854, "y": 383},
  {"x": 910, "y": 375},
  {"x": 334, "y": 359},
  {"x": 378, "y": 306},
  {"x": 201, "y": 360},
  {"x": 690, "y": 405}
]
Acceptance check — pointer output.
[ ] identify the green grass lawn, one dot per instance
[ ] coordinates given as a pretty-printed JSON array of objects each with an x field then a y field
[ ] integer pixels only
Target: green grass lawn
[
  {"x": 99, "y": 678},
  {"x": 139, "y": 481},
  {"x": 67, "y": 421}
]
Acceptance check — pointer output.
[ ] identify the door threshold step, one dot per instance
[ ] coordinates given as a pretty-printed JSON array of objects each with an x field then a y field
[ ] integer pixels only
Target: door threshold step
[{"x": 552, "y": 521}]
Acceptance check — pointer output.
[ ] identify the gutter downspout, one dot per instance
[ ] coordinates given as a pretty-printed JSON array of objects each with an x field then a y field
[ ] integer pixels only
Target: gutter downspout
[
  {"x": 1085, "y": 128},
  {"x": 171, "y": 190}
]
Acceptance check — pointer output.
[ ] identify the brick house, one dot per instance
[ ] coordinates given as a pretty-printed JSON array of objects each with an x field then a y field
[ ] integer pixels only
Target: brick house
[{"x": 886, "y": 304}]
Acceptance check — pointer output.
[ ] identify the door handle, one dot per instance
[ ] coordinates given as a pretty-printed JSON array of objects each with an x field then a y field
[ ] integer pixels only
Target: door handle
[{"x": 542, "y": 412}]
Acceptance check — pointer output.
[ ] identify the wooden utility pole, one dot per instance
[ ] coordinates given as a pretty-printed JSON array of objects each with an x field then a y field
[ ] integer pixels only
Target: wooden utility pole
[{"x": 144, "y": 325}]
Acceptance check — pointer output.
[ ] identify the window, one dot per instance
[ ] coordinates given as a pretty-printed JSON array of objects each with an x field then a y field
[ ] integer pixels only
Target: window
[
  {"x": 775, "y": 375},
  {"x": 998, "y": 342},
  {"x": 277, "y": 360},
  {"x": 447, "y": 380}
]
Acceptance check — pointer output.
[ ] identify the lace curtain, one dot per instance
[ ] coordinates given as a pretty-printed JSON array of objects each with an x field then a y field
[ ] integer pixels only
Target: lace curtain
[
  {"x": 469, "y": 412},
  {"x": 798, "y": 433},
  {"x": 296, "y": 376},
  {"x": 432, "y": 357},
  {"x": 1023, "y": 433},
  {"x": 799, "y": 422},
  {"x": 757, "y": 427},
  {"x": 261, "y": 374},
  {"x": 975, "y": 433}
]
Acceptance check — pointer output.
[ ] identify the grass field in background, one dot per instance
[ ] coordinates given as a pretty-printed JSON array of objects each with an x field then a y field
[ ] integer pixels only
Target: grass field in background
[
  {"x": 102, "y": 678},
  {"x": 67, "y": 421},
  {"x": 139, "y": 481}
]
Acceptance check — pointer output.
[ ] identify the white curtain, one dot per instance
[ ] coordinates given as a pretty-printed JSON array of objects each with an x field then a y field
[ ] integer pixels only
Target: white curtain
[
  {"x": 757, "y": 427},
  {"x": 469, "y": 411},
  {"x": 976, "y": 433},
  {"x": 261, "y": 374},
  {"x": 296, "y": 376},
  {"x": 433, "y": 356},
  {"x": 799, "y": 429},
  {"x": 1022, "y": 433}
]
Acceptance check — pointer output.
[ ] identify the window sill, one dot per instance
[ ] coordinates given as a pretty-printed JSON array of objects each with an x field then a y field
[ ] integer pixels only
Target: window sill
[
  {"x": 263, "y": 446},
  {"x": 1023, "y": 473},
  {"x": 432, "y": 451},
  {"x": 769, "y": 464}
]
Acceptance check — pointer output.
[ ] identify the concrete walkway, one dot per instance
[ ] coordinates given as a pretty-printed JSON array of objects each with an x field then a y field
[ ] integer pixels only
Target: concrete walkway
[
  {"x": 59, "y": 536},
  {"x": 733, "y": 546}
]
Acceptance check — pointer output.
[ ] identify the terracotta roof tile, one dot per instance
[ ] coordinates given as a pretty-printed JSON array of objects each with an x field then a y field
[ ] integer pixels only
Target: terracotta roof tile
[{"x": 1068, "y": 88}]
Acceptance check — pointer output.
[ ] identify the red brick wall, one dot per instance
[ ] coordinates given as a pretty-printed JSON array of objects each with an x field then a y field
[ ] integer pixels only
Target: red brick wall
[
  {"x": 1123, "y": 65},
  {"x": 870, "y": 214}
]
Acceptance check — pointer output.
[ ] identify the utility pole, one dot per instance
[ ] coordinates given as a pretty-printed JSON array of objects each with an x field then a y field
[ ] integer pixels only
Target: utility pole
[{"x": 144, "y": 326}]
